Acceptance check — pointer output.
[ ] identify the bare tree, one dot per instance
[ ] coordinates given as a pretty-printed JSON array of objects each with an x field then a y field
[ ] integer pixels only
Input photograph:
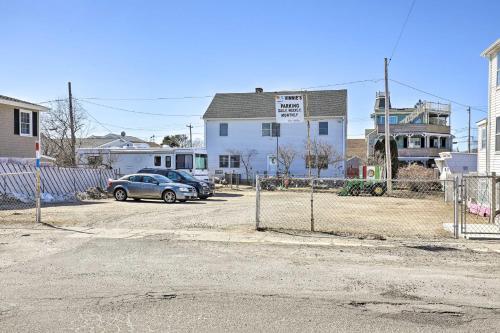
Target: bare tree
[
  {"x": 56, "y": 132},
  {"x": 286, "y": 156},
  {"x": 323, "y": 154},
  {"x": 246, "y": 158}
]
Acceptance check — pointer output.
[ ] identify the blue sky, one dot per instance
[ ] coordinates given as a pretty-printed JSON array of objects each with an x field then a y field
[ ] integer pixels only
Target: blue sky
[{"x": 149, "y": 49}]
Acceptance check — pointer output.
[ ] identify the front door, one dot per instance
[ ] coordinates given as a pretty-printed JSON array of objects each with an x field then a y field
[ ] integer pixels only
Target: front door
[
  {"x": 272, "y": 164},
  {"x": 134, "y": 186}
]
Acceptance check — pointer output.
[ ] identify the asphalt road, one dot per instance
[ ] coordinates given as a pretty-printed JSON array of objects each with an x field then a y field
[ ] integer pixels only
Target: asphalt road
[{"x": 55, "y": 281}]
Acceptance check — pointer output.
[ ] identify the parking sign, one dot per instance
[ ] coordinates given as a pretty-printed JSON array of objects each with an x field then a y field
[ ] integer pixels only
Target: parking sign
[{"x": 289, "y": 108}]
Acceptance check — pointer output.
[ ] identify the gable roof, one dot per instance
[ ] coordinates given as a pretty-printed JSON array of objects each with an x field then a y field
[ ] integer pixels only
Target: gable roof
[
  {"x": 321, "y": 103},
  {"x": 17, "y": 102},
  {"x": 493, "y": 48},
  {"x": 94, "y": 141}
]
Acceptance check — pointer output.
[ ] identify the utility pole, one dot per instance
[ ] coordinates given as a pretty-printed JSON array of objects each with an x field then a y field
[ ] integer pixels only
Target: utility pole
[
  {"x": 72, "y": 125},
  {"x": 388, "y": 164},
  {"x": 468, "y": 139},
  {"x": 190, "y": 135}
]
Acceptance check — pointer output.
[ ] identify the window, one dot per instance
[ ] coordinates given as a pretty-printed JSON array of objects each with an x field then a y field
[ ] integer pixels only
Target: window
[
  {"x": 323, "y": 128},
  {"x": 497, "y": 134},
  {"x": 223, "y": 161},
  {"x": 148, "y": 179},
  {"x": 415, "y": 143},
  {"x": 271, "y": 129},
  {"x": 223, "y": 129},
  {"x": 173, "y": 176},
  {"x": 200, "y": 161},
  {"x": 235, "y": 161},
  {"x": 312, "y": 160},
  {"x": 135, "y": 178},
  {"x": 380, "y": 120},
  {"x": 393, "y": 120},
  {"x": 157, "y": 160},
  {"x": 168, "y": 161},
  {"x": 323, "y": 162},
  {"x": 184, "y": 161},
  {"x": 443, "y": 142},
  {"x": 25, "y": 123},
  {"x": 483, "y": 138},
  {"x": 434, "y": 143}
]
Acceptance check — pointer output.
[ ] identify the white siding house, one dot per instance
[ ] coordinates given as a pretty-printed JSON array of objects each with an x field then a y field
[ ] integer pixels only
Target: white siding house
[
  {"x": 492, "y": 153},
  {"x": 482, "y": 139},
  {"x": 239, "y": 123}
]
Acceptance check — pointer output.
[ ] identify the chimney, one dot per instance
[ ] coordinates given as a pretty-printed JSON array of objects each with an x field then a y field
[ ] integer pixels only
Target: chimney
[{"x": 259, "y": 90}]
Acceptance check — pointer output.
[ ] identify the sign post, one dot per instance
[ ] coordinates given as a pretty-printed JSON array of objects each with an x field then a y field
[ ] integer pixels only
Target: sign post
[{"x": 38, "y": 184}]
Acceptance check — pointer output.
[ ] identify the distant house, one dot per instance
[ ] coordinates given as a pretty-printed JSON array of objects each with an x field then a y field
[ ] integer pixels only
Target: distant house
[
  {"x": 236, "y": 123},
  {"x": 356, "y": 156},
  {"x": 113, "y": 140},
  {"x": 421, "y": 132},
  {"x": 489, "y": 128},
  {"x": 19, "y": 127}
]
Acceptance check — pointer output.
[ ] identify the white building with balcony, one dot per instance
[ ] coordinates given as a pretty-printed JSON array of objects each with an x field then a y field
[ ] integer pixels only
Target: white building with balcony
[
  {"x": 488, "y": 153},
  {"x": 421, "y": 132},
  {"x": 237, "y": 124}
]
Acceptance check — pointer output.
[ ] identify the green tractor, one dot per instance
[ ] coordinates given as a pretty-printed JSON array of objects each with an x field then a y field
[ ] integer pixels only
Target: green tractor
[{"x": 369, "y": 182}]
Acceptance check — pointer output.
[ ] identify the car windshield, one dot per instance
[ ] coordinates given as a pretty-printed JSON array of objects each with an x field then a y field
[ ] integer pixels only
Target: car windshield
[
  {"x": 187, "y": 176},
  {"x": 162, "y": 179}
]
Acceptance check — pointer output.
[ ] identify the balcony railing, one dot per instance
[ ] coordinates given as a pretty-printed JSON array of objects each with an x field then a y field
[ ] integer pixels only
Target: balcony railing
[
  {"x": 421, "y": 152},
  {"x": 415, "y": 128}
]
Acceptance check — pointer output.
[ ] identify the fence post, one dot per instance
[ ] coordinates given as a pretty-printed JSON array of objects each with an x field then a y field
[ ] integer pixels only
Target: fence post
[
  {"x": 232, "y": 174},
  {"x": 493, "y": 205},
  {"x": 257, "y": 202},
  {"x": 38, "y": 192},
  {"x": 312, "y": 204},
  {"x": 455, "y": 206}
]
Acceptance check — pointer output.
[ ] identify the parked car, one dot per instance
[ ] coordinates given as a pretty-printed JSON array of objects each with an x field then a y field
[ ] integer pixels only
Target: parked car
[
  {"x": 203, "y": 189},
  {"x": 150, "y": 186}
]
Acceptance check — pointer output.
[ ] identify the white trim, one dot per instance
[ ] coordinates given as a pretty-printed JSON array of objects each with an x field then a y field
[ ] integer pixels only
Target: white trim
[
  {"x": 31, "y": 107},
  {"x": 30, "y": 123}
]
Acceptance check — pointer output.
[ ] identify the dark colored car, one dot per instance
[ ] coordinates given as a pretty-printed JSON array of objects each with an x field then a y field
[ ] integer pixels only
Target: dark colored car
[{"x": 203, "y": 189}]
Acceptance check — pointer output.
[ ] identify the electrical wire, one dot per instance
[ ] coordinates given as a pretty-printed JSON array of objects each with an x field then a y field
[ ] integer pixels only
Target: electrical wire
[
  {"x": 144, "y": 99},
  {"x": 434, "y": 95},
  {"x": 402, "y": 30},
  {"x": 138, "y": 112}
]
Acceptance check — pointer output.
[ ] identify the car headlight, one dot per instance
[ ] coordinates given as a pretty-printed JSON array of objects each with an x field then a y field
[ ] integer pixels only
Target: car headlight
[{"x": 184, "y": 189}]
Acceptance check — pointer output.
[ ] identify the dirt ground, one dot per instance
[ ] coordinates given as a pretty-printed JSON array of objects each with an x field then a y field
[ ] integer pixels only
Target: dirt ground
[
  {"x": 384, "y": 216},
  {"x": 235, "y": 209}
]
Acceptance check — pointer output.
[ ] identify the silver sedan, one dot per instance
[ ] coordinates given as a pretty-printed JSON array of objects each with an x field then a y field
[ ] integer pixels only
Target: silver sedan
[{"x": 149, "y": 186}]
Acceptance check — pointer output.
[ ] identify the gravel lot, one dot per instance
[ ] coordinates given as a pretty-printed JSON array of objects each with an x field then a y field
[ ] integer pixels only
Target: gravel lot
[
  {"x": 235, "y": 209},
  {"x": 231, "y": 209}
]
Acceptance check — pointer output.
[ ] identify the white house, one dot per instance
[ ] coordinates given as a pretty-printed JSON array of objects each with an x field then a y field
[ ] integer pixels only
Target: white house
[
  {"x": 239, "y": 123},
  {"x": 452, "y": 163},
  {"x": 489, "y": 149}
]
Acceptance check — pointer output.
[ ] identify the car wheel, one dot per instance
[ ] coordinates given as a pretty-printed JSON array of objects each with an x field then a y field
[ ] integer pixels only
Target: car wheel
[
  {"x": 169, "y": 196},
  {"x": 120, "y": 195},
  {"x": 378, "y": 190}
]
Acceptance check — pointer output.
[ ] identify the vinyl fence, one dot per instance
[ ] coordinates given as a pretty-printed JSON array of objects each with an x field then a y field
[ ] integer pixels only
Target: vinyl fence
[{"x": 18, "y": 184}]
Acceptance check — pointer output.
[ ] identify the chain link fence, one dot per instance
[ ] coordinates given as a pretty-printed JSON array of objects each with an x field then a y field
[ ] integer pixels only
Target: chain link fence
[
  {"x": 479, "y": 212},
  {"x": 354, "y": 207}
]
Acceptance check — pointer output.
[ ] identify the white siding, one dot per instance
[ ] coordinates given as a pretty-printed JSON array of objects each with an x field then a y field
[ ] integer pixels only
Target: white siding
[
  {"x": 494, "y": 111},
  {"x": 246, "y": 134},
  {"x": 481, "y": 151}
]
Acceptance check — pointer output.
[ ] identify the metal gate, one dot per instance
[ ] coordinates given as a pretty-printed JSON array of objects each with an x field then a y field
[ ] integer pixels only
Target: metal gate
[{"x": 479, "y": 206}]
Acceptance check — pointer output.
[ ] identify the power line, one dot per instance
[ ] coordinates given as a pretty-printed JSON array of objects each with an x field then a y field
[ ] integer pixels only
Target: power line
[
  {"x": 436, "y": 96},
  {"x": 138, "y": 112},
  {"x": 144, "y": 98},
  {"x": 402, "y": 30},
  {"x": 341, "y": 84}
]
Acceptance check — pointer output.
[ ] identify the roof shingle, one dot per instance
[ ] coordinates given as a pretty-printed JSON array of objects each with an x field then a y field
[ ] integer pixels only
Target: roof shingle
[{"x": 321, "y": 103}]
